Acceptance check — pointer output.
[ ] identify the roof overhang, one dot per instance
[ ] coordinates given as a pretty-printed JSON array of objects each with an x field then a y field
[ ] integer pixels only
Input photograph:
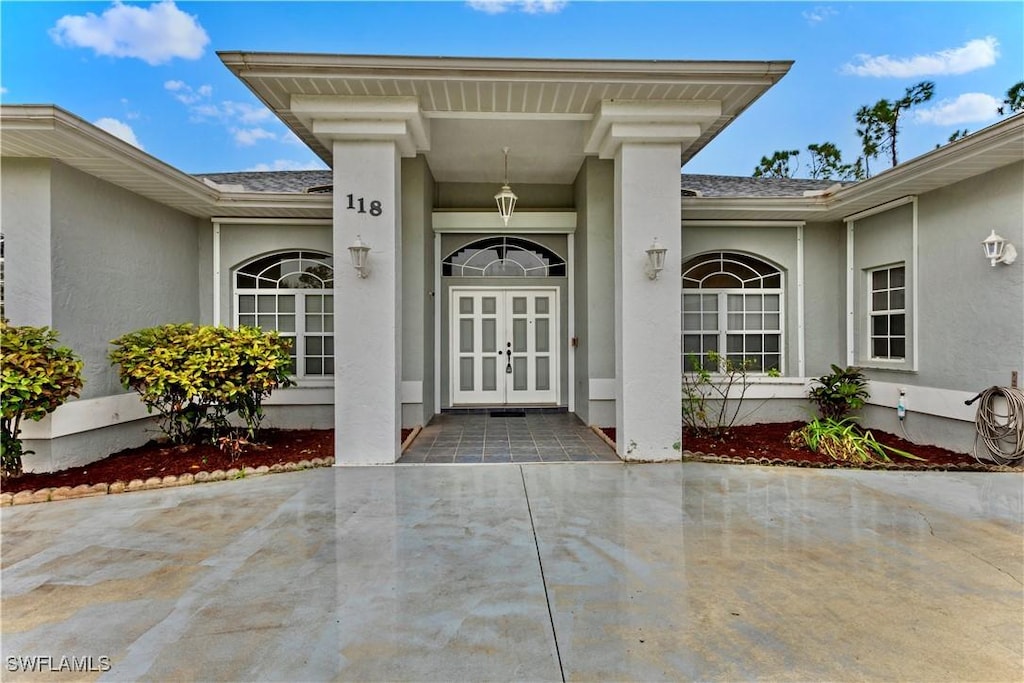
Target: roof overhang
[
  {"x": 1001, "y": 144},
  {"x": 461, "y": 112},
  {"x": 49, "y": 132}
]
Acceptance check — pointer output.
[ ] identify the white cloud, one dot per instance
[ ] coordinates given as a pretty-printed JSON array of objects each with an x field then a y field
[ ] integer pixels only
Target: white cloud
[
  {"x": 287, "y": 165},
  {"x": 528, "y": 6},
  {"x": 155, "y": 34},
  {"x": 247, "y": 137},
  {"x": 118, "y": 129},
  {"x": 972, "y": 107},
  {"x": 185, "y": 93},
  {"x": 3, "y": 90},
  {"x": 972, "y": 55},
  {"x": 819, "y": 14}
]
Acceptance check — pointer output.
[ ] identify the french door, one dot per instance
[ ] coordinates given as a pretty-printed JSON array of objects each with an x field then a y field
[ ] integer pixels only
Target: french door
[{"x": 504, "y": 345}]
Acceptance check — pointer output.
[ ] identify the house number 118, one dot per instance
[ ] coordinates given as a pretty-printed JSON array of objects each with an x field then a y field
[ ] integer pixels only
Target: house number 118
[{"x": 358, "y": 204}]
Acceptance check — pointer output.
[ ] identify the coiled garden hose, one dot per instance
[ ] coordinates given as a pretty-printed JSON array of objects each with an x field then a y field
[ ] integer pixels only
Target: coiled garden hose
[{"x": 1002, "y": 433}]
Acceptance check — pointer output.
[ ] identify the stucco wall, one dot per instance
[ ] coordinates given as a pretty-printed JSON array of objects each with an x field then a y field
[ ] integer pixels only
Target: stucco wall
[
  {"x": 824, "y": 302},
  {"x": 25, "y": 223},
  {"x": 595, "y": 292},
  {"x": 481, "y": 196},
  {"x": 959, "y": 291},
  {"x": 120, "y": 263},
  {"x": 417, "y": 288}
]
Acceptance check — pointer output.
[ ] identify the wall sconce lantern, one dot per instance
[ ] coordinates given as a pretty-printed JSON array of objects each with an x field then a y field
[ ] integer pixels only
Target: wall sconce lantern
[
  {"x": 998, "y": 250},
  {"x": 360, "y": 253},
  {"x": 506, "y": 198},
  {"x": 655, "y": 259}
]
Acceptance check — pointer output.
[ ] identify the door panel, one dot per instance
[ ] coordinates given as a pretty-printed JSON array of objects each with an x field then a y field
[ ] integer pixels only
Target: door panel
[{"x": 504, "y": 344}]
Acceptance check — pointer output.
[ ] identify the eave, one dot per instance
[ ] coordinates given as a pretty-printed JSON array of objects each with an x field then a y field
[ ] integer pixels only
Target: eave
[
  {"x": 999, "y": 145},
  {"x": 49, "y": 132}
]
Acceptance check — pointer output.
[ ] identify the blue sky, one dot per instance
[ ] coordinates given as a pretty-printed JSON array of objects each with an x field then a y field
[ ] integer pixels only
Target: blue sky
[{"x": 148, "y": 72}]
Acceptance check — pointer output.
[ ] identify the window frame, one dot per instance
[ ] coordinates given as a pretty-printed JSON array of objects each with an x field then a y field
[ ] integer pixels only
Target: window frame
[
  {"x": 301, "y": 296},
  {"x": 722, "y": 295},
  {"x": 870, "y": 313}
]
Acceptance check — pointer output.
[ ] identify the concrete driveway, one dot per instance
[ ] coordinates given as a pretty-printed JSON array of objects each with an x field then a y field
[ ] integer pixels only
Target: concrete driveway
[{"x": 524, "y": 572}]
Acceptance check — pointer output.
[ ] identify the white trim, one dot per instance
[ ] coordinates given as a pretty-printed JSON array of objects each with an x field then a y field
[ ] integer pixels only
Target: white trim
[
  {"x": 570, "y": 350},
  {"x": 216, "y": 272},
  {"x": 881, "y": 208},
  {"x": 88, "y": 414},
  {"x": 726, "y": 223},
  {"x": 302, "y": 396},
  {"x": 947, "y": 403},
  {"x": 764, "y": 388},
  {"x": 915, "y": 316},
  {"x": 281, "y": 222},
  {"x": 412, "y": 391},
  {"x": 437, "y": 324},
  {"x": 800, "y": 362},
  {"x": 850, "y": 281},
  {"x": 85, "y": 415},
  {"x": 602, "y": 389},
  {"x": 552, "y": 222}
]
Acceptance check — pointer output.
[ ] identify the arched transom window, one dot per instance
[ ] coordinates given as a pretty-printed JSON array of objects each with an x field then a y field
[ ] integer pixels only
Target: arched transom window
[
  {"x": 291, "y": 292},
  {"x": 503, "y": 257},
  {"x": 732, "y": 306}
]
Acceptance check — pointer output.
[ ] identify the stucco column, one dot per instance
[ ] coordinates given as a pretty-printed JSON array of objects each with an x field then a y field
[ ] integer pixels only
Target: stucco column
[
  {"x": 647, "y": 312},
  {"x": 367, "y": 393}
]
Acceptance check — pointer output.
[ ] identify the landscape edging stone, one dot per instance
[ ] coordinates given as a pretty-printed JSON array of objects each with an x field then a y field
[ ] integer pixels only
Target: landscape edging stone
[{"x": 54, "y": 494}]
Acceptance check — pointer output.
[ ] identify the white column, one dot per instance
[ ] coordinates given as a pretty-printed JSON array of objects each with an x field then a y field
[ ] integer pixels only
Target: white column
[
  {"x": 367, "y": 394},
  {"x": 647, "y": 312}
]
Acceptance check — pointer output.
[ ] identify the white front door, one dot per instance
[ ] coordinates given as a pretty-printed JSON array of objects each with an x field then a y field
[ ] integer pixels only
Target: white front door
[{"x": 504, "y": 345}]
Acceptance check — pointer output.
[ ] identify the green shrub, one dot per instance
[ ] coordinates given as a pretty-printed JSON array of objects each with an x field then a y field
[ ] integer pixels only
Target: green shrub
[
  {"x": 196, "y": 377},
  {"x": 839, "y": 393},
  {"x": 36, "y": 378},
  {"x": 712, "y": 403},
  {"x": 843, "y": 440}
]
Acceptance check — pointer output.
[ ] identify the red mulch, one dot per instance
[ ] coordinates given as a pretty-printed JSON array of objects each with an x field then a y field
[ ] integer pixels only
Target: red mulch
[
  {"x": 768, "y": 442},
  {"x": 276, "y": 446}
]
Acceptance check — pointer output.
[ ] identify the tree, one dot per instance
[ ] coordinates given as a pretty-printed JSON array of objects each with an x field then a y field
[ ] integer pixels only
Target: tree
[
  {"x": 957, "y": 134},
  {"x": 880, "y": 123},
  {"x": 827, "y": 163},
  {"x": 778, "y": 165},
  {"x": 1014, "y": 101}
]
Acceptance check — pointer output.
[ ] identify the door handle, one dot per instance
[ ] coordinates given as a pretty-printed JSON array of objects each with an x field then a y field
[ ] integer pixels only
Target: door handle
[{"x": 508, "y": 365}]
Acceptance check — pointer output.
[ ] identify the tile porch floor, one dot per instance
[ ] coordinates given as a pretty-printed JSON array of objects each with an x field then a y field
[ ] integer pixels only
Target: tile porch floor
[{"x": 480, "y": 438}]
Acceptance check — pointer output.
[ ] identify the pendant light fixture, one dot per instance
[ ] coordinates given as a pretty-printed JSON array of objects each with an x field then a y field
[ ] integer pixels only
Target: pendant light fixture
[{"x": 506, "y": 198}]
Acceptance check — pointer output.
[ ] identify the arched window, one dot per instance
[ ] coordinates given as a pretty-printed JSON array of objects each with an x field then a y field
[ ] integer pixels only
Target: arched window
[
  {"x": 732, "y": 305},
  {"x": 291, "y": 292},
  {"x": 503, "y": 257}
]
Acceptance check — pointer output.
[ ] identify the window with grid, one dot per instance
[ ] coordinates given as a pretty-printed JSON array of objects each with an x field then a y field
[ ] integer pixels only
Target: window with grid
[
  {"x": 732, "y": 305},
  {"x": 291, "y": 292},
  {"x": 503, "y": 257},
  {"x": 888, "y": 316}
]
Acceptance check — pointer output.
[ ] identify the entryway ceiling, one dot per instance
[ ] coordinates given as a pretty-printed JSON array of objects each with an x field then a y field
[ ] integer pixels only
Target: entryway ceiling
[{"x": 542, "y": 110}]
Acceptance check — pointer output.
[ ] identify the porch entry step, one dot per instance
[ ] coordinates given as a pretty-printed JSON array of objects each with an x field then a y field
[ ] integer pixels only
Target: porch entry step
[{"x": 507, "y": 412}]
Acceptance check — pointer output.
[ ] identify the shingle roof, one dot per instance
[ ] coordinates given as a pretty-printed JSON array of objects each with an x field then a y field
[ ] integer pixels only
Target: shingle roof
[
  {"x": 691, "y": 184},
  {"x": 272, "y": 181},
  {"x": 740, "y": 186}
]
